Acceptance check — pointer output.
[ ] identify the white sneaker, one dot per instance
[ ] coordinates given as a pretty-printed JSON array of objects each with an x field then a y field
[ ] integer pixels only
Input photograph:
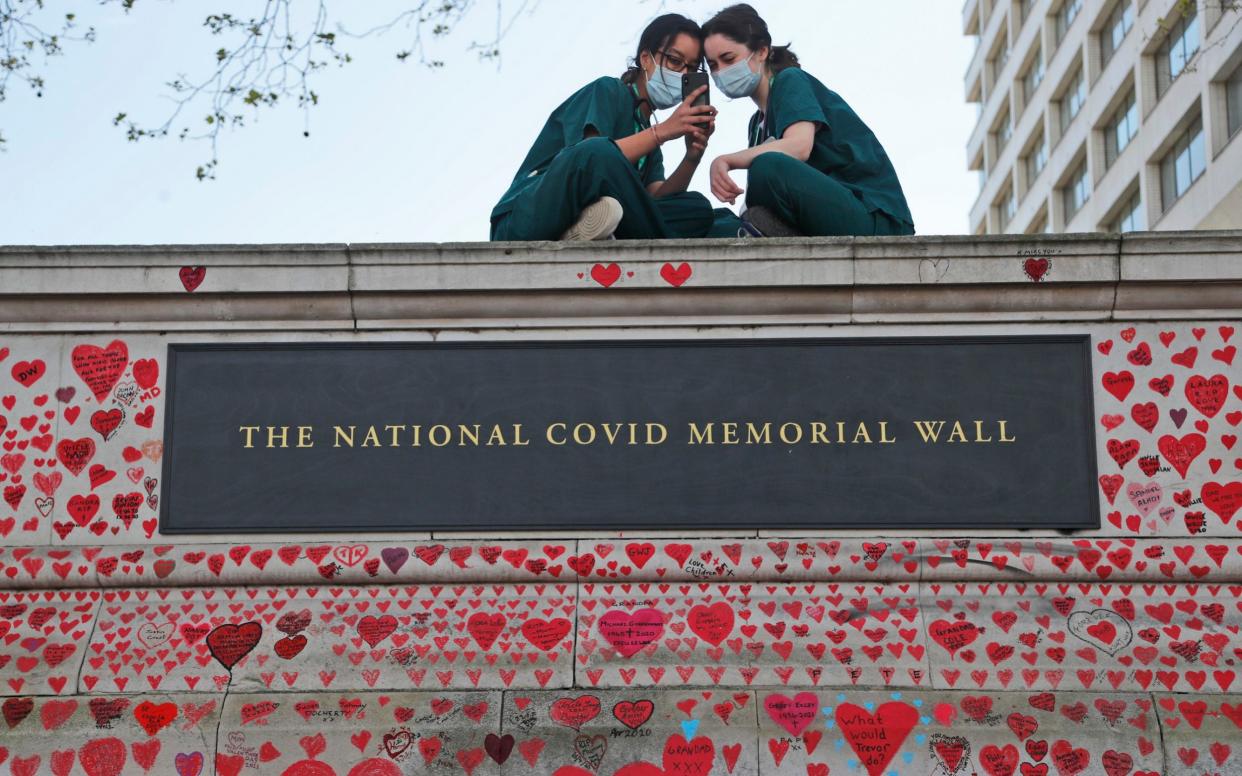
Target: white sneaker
[{"x": 597, "y": 222}]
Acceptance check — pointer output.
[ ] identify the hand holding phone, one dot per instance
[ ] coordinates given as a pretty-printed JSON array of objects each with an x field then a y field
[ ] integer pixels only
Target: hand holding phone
[
  {"x": 692, "y": 81},
  {"x": 693, "y": 119}
]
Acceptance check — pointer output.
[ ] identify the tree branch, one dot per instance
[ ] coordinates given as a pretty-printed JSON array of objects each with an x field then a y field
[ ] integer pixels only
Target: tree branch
[
  {"x": 23, "y": 37},
  {"x": 270, "y": 59},
  {"x": 264, "y": 61}
]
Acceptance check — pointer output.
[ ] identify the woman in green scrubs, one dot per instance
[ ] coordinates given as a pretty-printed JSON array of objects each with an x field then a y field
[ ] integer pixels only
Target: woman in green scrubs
[
  {"x": 814, "y": 167},
  {"x": 595, "y": 170}
]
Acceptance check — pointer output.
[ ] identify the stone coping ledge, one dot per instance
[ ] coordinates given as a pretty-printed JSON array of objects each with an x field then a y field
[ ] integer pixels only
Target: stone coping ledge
[
  {"x": 301, "y": 561},
  {"x": 1169, "y": 275},
  {"x": 985, "y": 636},
  {"x": 739, "y": 731}
]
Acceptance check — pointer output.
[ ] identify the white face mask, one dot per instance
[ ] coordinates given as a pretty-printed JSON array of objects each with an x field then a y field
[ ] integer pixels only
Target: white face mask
[
  {"x": 737, "y": 80},
  {"x": 663, "y": 87}
]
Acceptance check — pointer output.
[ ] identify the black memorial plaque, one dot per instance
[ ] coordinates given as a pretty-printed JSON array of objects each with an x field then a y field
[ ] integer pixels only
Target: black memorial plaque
[{"x": 978, "y": 432}]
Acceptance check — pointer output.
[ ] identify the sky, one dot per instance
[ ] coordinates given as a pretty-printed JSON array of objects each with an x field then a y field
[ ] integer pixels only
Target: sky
[{"x": 398, "y": 152}]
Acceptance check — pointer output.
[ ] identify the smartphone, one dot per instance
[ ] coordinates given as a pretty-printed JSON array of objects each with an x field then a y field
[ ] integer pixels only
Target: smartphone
[{"x": 692, "y": 81}]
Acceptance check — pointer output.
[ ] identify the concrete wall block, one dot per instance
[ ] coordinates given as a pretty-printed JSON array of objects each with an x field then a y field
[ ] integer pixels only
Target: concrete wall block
[
  {"x": 1181, "y": 256},
  {"x": 361, "y": 734},
  {"x": 773, "y": 559},
  {"x": 43, "y": 567},
  {"x": 1078, "y": 637},
  {"x": 323, "y": 639},
  {"x": 111, "y": 735},
  {"x": 1085, "y": 560},
  {"x": 598, "y": 273},
  {"x": 340, "y": 563},
  {"x": 35, "y": 257},
  {"x": 1177, "y": 300},
  {"x": 1168, "y": 400},
  {"x": 665, "y": 731},
  {"x": 992, "y": 246},
  {"x": 32, "y": 405},
  {"x": 110, "y": 441},
  {"x": 105, "y": 281},
  {"x": 716, "y": 732},
  {"x": 1023, "y": 265},
  {"x": 716, "y": 560},
  {"x": 1202, "y": 734},
  {"x": 209, "y": 288},
  {"x": 558, "y": 313},
  {"x": 43, "y": 640},
  {"x": 982, "y": 304},
  {"x": 919, "y": 731},
  {"x": 727, "y": 249},
  {"x": 670, "y": 635}
]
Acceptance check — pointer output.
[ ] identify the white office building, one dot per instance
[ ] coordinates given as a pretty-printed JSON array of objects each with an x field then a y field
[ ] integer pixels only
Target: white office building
[{"x": 1106, "y": 115}]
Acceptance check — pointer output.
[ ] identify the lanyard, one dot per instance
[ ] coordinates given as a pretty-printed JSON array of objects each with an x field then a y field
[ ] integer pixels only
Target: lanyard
[
  {"x": 638, "y": 126},
  {"x": 760, "y": 124}
]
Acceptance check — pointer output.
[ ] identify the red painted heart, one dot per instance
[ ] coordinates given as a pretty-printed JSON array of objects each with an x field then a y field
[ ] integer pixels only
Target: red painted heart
[
  {"x": 630, "y": 633},
  {"x": 192, "y": 277},
  {"x": 876, "y": 738},
  {"x": 230, "y": 643},
  {"x": 1036, "y": 269},
  {"x": 633, "y": 714},
  {"x": 100, "y": 368},
  {"x": 606, "y": 276},
  {"x": 676, "y": 276}
]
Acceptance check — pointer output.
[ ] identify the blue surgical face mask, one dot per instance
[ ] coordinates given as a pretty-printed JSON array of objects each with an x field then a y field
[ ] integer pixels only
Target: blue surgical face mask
[
  {"x": 664, "y": 88},
  {"x": 737, "y": 80}
]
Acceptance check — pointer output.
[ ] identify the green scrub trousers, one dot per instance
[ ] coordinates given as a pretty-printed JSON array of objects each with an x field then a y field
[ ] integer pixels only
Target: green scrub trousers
[
  {"x": 813, "y": 202},
  {"x": 584, "y": 172}
]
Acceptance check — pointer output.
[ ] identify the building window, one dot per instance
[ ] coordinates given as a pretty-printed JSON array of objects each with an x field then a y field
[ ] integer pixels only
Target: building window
[
  {"x": 1183, "y": 165},
  {"x": 1000, "y": 60},
  {"x": 1004, "y": 131},
  {"x": 1036, "y": 159},
  {"x": 1073, "y": 99},
  {"x": 1122, "y": 126},
  {"x": 1039, "y": 225},
  {"x": 1115, "y": 29},
  {"x": 1077, "y": 191},
  {"x": 1033, "y": 77},
  {"x": 1066, "y": 16},
  {"x": 1233, "y": 101},
  {"x": 1130, "y": 219},
  {"x": 1006, "y": 207},
  {"x": 1178, "y": 47},
  {"x": 1027, "y": 5}
]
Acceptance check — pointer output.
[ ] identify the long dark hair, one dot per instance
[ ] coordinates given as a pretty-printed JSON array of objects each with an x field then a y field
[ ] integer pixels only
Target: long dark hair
[
  {"x": 743, "y": 24},
  {"x": 658, "y": 36}
]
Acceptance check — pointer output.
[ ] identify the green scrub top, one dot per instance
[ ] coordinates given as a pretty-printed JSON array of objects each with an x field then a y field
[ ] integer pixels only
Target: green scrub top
[
  {"x": 845, "y": 148},
  {"x": 610, "y": 106}
]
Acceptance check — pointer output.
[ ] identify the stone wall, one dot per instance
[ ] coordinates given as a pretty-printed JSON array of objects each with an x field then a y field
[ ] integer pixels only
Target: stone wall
[{"x": 1112, "y": 651}]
